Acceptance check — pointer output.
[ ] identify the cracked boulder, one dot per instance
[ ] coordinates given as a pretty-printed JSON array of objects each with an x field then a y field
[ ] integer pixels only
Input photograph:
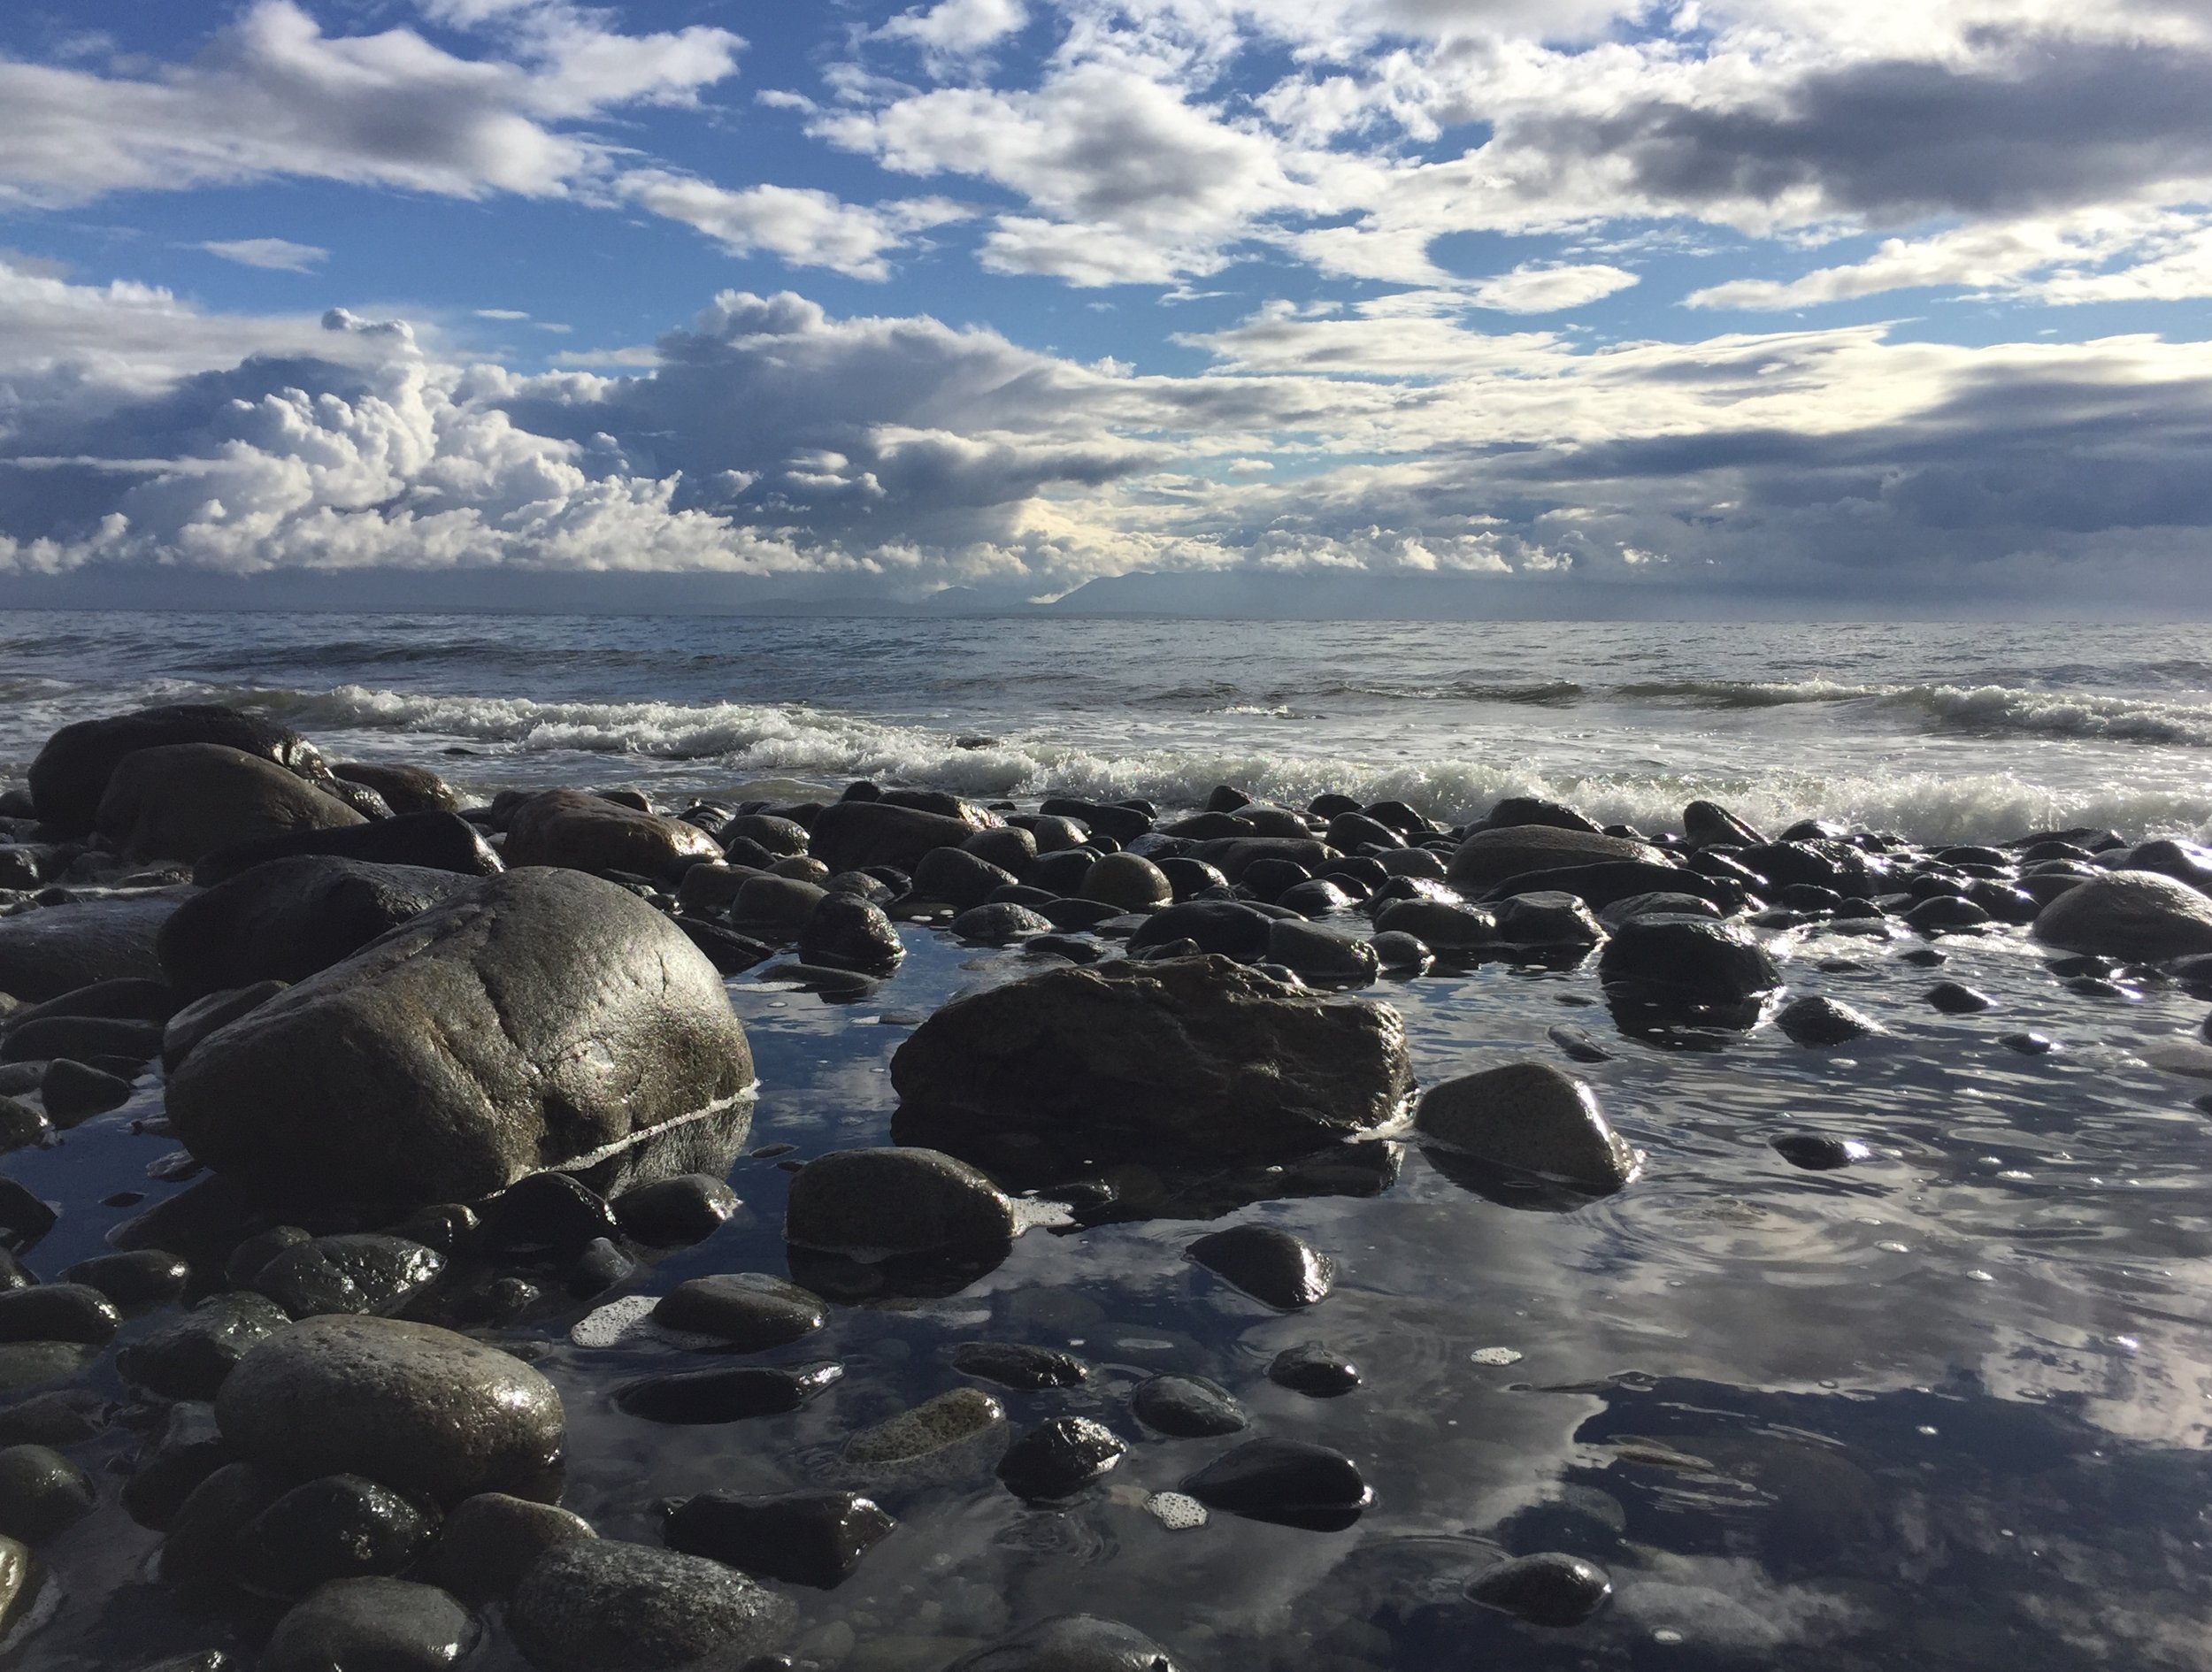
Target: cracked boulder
[
  {"x": 1195, "y": 1054},
  {"x": 541, "y": 1018}
]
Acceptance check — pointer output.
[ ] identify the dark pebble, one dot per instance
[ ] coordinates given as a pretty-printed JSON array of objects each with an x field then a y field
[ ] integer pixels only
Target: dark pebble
[
  {"x": 1823, "y": 1021},
  {"x": 1056, "y": 1460},
  {"x": 1187, "y": 1408},
  {"x": 338, "y": 1527},
  {"x": 42, "y": 1494},
  {"x": 598, "y": 1267},
  {"x": 547, "y": 1210},
  {"x": 1954, "y": 998},
  {"x": 1011, "y": 1364},
  {"x": 376, "y": 1625},
  {"x": 24, "y": 1218},
  {"x": 594, "y": 1604},
  {"x": 1316, "y": 1371},
  {"x": 145, "y": 1278},
  {"x": 1816, "y": 1153},
  {"x": 807, "y": 1538},
  {"x": 1579, "y": 1046},
  {"x": 2096, "y": 987},
  {"x": 674, "y": 1213},
  {"x": 59, "y": 1312},
  {"x": 1926, "y": 957},
  {"x": 75, "y": 1091},
  {"x": 187, "y": 1449},
  {"x": 365, "y": 1272},
  {"x": 1289, "y": 1482},
  {"x": 749, "y": 1311},
  {"x": 1070, "y": 1643},
  {"x": 491, "y": 1541},
  {"x": 188, "y": 1359},
  {"x": 2028, "y": 1044},
  {"x": 244, "y": 1262},
  {"x": 726, "y": 1396},
  {"x": 1549, "y": 1589},
  {"x": 1268, "y": 1264},
  {"x": 65, "y": 1416}
]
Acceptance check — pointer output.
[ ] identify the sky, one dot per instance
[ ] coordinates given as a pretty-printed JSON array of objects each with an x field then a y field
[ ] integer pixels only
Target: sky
[{"x": 1887, "y": 307}]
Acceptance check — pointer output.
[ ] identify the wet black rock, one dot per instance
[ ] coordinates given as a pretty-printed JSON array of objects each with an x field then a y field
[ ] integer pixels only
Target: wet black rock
[
  {"x": 491, "y": 1541},
  {"x": 42, "y": 1494},
  {"x": 853, "y": 835},
  {"x": 999, "y": 923},
  {"x": 44, "y": 1038},
  {"x": 1818, "y": 1153},
  {"x": 535, "y": 1017},
  {"x": 747, "y": 1311},
  {"x": 1532, "y": 1118},
  {"x": 1552, "y": 1589},
  {"x": 24, "y": 1218},
  {"x": 547, "y": 1210},
  {"x": 389, "y": 1625},
  {"x": 674, "y": 1213},
  {"x": 957, "y": 877},
  {"x": 1290, "y": 1482},
  {"x": 434, "y": 841},
  {"x": 421, "y": 1409},
  {"x": 1128, "y": 883},
  {"x": 1070, "y": 1643},
  {"x": 203, "y": 1531},
  {"x": 806, "y": 1539},
  {"x": 1057, "y": 1460},
  {"x": 2028, "y": 1044},
  {"x": 895, "y": 1201},
  {"x": 1546, "y": 918},
  {"x": 203, "y": 1017},
  {"x": 589, "y": 833},
  {"x": 1954, "y": 998},
  {"x": 54, "y": 950},
  {"x": 1694, "y": 958},
  {"x": 189, "y": 1359},
  {"x": 134, "y": 1282},
  {"x": 1943, "y": 915},
  {"x": 1012, "y": 1364},
  {"x": 183, "y": 800},
  {"x": 727, "y": 1395},
  {"x": 1161, "y": 1053},
  {"x": 599, "y": 1605},
  {"x": 75, "y": 1091},
  {"x": 846, "y": 932},
  {"x": 2134, "y": 914},
  {"x": 1228, "y": 927},
  {"x": 59, "y": 1312},
  {"x": 1313, "y": 1370},
  {"x": 185, "y": 1450},
  {"x": 1187, "y": 1408},
  {"x": 71, "y": 774},
  {"x": 61, "y": 1417},
  {"x": 405, "y": 789},
  {"x": 336, "y": 1527},
  {"x": 1451, "y": 930},
  {"x": 360, "y": 1272},
  {"x": 1268, "y": 1264},
  {"x": 1325, "y": 956},
  {"x": 1492, "y": 855},
  {"x": 1820, "y": 1021}
]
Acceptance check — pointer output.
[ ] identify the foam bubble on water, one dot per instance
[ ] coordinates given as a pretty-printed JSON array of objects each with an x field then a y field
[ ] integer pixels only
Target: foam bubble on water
[
  {"x": 1494, "y": 1355},
  {"x": 1175, "y": 1511},
  {"x": 629, "y": 1322}
]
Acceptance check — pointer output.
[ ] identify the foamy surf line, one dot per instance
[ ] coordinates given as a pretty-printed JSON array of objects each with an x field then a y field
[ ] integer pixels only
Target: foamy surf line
[{"x": 722, "y": 747}]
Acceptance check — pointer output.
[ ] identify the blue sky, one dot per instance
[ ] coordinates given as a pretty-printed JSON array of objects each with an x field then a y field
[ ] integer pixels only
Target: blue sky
[{"x": 1875, "y": 305}]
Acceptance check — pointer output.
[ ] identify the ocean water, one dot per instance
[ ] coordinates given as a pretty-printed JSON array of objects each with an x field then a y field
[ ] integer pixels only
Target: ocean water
[
  {"x": 1943, "y": 1410},
  {"x": 1940, "y": 732}
]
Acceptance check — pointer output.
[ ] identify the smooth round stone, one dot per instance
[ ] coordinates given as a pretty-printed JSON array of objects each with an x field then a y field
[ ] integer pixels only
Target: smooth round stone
[
  {"x": 205, "y": 1660},
  {"x": 999, "y": 923},
  {"x": 491, "y": 1540},
  {"x": 950, "y": 1421},
  {"x": 596, "y": 1605},
  {"x": 1270, "y": 1265},
  {"x": 598, "y": 1267},
  {"x": 19, "y": 1583},
  {"x": 727, "y": 1396},
  {"x": 892, "y": 1201},
  {"x": 807, "y": 1538},
  {"x": 59, "y": 1312},
  {"x": 957, "y": 877},
  {"x": 674, "y": 1213},
  {"x": 203, "y": 1531},
  {"x": 1552, "y": 1589},
  {"x": 749, "y": 1311},
  {"x": 2028, "y": 1044},
  {"x": 1817, "y": 1153},
  {"x": 1954, "y": 998},
  {"x": 1532, "y": 1118},
  {"x": 1317, "y": 1371},
  {"x": 1228, "y": 927},
  {"x": 1439, "y": 925},
  {"x": 360, "y": 1273},
  {"x": 143, "y": 1278},
  {"x": 1071, "y": 1643},
  {"x": 189, "y": 1359},
  {"x": 1823, "y": 1021},
  {"x": 1692, "y": 958},
  {"x": 1128, "y": 883},
  {"x": 42, "y": 1494},
  {"x": 1315, "y": 897},
  {"x": 1187, "y": 1408},
  {"x": 379, "y": 1625},
  {"x": 243, "y": 1264},
  {"x": 188, "y": 1449},
  {"x": 844, "y": 931},
  {"x": 75, "y": 1091},
  {"x": 1290, "y": 1482},
  {"x": 1057, "y": 1460},
  {"x": 1547, "y": 917},
  {"x": 24, "y": 1218},
  {"x": 1322, "y": 954},
  {"x": 66, "y": 1416},
  {"x": 547, "y": 1210},
  {"x": 1011, "y": 1364},
  {"x": 338, "y": 1527},
  {"x": 1944, "y": 914},
  {"x": 421, "y": 1409},
  {"x": 1401, "y": 953},
  {"x": 21, "y": 1125}
]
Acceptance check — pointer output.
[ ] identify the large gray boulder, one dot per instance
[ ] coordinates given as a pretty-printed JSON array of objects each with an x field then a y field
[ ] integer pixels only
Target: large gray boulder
[
  {"x": 185, "y": 800},
  {"x": 411, "y": 1405},
  {"x": 1195, "y": 1053},
  {"x": 539, "y": 1018},
  {"x": 71, "y": 773},
  {"x": 589, "y": 833},
  {"x": 1492, "y": 855},
  {"x": 57, "y": 949},
  {"x": 2137, "y": 914},
  {"x": 284, "y": 920}
]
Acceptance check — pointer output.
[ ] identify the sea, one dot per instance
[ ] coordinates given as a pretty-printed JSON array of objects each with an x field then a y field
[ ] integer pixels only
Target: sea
[{"x": 1944, "y": 1409}]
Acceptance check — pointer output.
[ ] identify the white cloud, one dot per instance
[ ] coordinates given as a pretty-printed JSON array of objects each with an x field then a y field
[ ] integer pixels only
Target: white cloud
[
  {"x": 279, "y": 255},
  {"x": 1539, "y": 288},
  {"x": 807, "y": 228},
  {"x": 501, "y": 313},
  {"x": 955, "y": 29}
]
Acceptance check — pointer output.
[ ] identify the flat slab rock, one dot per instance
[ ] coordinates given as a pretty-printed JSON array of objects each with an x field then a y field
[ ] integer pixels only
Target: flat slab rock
[{"x": 1199, "y": 1053}]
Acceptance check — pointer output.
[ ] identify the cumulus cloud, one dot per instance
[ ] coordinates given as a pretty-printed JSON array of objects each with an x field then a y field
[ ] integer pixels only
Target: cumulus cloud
[
  {"x": 1535, "y": 288},
  {"x": 279, "y": 255},
  {"x": 807, "y": 228}
]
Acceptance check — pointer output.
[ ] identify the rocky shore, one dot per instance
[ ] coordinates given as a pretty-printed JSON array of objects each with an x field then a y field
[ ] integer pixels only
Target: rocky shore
[{"x": 431, "y": 1083}]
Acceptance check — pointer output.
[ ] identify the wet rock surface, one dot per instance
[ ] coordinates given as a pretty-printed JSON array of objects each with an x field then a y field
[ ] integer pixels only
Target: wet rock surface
[{"x": 603, "y": 1606}]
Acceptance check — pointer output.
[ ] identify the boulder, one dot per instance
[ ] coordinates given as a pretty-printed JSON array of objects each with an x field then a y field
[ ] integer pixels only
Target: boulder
[
  {"x": 1695, "y": 960},
  {"x": 437, "y": 841},
  {"x": 390, "y": 1624},
  {"x": 1492, "y": 855},
  {"x": 844, "y": 931},
  {"x": 185, "y": 800},
  {"x": 1197, "y": 1053},
  {"x": 286, "y": 919},
  {"x": 1533, "y": 1119},
  {"x": 405, "y": 789},
  {"x": 52, "y": 950},
  {"x": 1233, "y": 855},
  {"x": 894, "y": 1201},
  {"x": 806, "y": 1539},
  {"x": 539, "y": 1018},
  {"x": 2136, "y": 915},
  {"x": 1127, "y": 881},
  {"x": 418, "y": 1408},
  {"x": 596, "y": 1605},
  {"x": 853, "y": 835},
  {"x": 588, "y": 833},
  {"x": 71, "y": 774},
  {"x": 1229, "y": 927}
]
